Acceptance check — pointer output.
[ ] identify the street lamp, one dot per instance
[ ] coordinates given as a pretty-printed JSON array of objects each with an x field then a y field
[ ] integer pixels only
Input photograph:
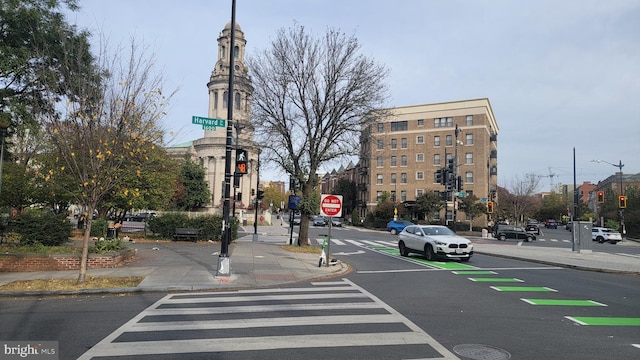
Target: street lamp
[{"x": 619, "y": 165}]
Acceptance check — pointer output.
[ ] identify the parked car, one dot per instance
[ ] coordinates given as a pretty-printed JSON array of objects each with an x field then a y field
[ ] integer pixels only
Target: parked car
[
  {"x": 336, "y": 221},
  {"x": 504, "y": 232},
  {"x": 141, "y": 216},
  {"x": 551, "y": 224},
  {"x": 602, "y": 235},
  {"x": 296, "y": 219},
  {"x": 319, "y": 221},
  {"x": 434, "y": 241},
  {"x": 532, "y": 229},
  {"x": 396, "y": 226}
]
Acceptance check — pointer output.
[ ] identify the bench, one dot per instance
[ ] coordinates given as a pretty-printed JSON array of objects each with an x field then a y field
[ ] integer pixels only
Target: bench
[{"x": 186, "y": 234}]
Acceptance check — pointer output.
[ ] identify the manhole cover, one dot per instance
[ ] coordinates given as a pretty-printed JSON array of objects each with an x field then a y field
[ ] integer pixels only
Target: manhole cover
[{"x": 481, "y": 352}]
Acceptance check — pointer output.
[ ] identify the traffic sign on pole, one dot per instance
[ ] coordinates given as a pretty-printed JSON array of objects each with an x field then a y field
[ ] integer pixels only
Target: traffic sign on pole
[{"x": 331, "y": 205}]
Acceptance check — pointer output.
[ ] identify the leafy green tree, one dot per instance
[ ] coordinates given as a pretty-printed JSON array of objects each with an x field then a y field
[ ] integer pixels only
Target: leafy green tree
[
  {"x": 194, "y": 191},
  {"x": 347, "y": 189},
  {"x": 272, "y": 195},
  {"x": 553, "y": 207},
  {"x": 312, "y": 98},
  {"x": 472, "y": 207},
  {"x": 427, "y": 205}
]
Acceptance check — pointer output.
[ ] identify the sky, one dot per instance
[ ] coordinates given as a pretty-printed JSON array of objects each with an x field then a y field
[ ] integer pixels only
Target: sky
[{"x": 560, "y": 75}]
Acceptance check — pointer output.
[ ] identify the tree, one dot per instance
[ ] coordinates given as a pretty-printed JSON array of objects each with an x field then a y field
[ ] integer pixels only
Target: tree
[
  {"x": 194, "y": 187},
  {"x": 347, "y": 189},
  {"x": 520, "y": 201},
  {"x": 472, "y": 207},
  {"x": 312, "y": 98},
  {"x": 107, "y": 122},
  {"x": 553, "y": 207},
  {"x": 428, "y": 204}
]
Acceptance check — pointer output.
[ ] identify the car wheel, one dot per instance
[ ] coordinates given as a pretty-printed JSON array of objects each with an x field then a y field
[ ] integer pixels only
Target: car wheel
[
  {"x": 393, "y": 231},
  {"x": 502, "y": 237},
  {"x": 600, "y": 239},
  {"x": 403, "y": 249},
  {"x": 428, "y": 253},
  {"x": 529, "y": 238}
]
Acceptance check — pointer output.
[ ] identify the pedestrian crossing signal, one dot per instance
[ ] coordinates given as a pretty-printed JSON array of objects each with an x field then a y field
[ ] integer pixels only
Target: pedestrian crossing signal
[
  {"x": 600, "y": 196},
  {"x": 622, "y": 201},
  {"x": 490, "y": 207}
]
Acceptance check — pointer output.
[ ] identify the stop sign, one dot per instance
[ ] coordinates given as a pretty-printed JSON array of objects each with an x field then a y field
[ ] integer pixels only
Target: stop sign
[{"x": 331, "y": 205}]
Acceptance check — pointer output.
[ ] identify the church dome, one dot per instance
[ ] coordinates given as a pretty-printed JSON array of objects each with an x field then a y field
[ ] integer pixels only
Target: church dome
[{"x": 228, "y": 26}]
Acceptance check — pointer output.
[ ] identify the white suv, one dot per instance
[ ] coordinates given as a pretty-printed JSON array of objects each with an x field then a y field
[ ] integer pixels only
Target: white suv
[{"x": 602, "y": 235}]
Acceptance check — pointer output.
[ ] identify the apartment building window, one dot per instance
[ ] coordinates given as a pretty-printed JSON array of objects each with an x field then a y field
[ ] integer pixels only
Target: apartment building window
[
  {"x": 449, "y": 140},
  {"x": 403, "y": 195},
  {"x": 436, "y": 141},
  {"x": 420, "y": 139},
  {"x": 380, "y": 144},
  {"x": 468, "y": 158},
  {"x": 443, "y": 122},
  {"x": 394, "y": 143},
  {"x": 469, "y": 139},
  {"x": 468, "y": 177},
  {"x": 449, "y": 157},
  {"x": 469, "y": 120},
  {"x": 436, "y": 159},
  {"x": 403, "y": 178},
  {"x": 379, "y": 179},
  {"x": 420, "y": 157},
  {"x": 379, "y": 195},
  {"x": 420, "y": 175},
  {"x": 399, "y": 125},
  {"x": 419, "y": 192},
  {"x": 394, "y": 161},
  {"x": 380, "y": 127},
  {"x": 379, "y": 161},
  {"x": 394, "y": 178},
  {"x": 420, "y": 122},
  {"x": 393, "y": 195},
  {"x": 403, "y": 143},
  {"x": 403, "y": 160}
]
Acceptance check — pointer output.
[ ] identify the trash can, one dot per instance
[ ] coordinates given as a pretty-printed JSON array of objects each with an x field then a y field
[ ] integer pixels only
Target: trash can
[
  {"x": 111, "y": 233},
  {"x": 244, "y": 222}
]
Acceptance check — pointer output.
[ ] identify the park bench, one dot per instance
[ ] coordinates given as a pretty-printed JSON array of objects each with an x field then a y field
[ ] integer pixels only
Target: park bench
[{"x": 186, "y": 234}]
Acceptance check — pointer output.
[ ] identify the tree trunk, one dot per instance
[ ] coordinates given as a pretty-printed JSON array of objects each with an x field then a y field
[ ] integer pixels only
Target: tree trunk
[{"x": 85, "y": 247}]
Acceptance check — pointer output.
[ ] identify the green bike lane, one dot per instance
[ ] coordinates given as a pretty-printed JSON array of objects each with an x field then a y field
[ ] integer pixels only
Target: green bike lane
[{"x": 492, "y": 277}]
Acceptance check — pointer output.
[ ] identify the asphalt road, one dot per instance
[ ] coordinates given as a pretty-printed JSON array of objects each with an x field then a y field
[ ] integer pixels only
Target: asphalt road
[{"x": 388, "y": 308}]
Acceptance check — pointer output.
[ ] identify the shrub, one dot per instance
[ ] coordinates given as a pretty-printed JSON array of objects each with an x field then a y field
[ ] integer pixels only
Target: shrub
[
  {"x": 106, "y": 246},
  {"x": 165, "y": 224},
  {"x": 42, "y": 226},
  {"x": 99, "y": 228},
  {"x": 210, "y": 226}
]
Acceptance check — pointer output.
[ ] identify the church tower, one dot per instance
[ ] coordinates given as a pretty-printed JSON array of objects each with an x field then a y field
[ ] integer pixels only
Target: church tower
[{"x": 210, "y": 150}]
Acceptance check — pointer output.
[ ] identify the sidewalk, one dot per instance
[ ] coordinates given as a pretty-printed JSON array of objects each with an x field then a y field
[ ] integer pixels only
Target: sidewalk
[{"x": 185, "y": 266}]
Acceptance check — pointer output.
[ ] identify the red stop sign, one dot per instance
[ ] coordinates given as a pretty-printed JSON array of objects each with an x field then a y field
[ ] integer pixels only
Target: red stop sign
[{"x": 331, "y": 205}]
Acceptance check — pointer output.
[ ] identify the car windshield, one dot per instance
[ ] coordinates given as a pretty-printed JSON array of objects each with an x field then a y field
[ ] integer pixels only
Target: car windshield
[{"x": 437, "y": 231}]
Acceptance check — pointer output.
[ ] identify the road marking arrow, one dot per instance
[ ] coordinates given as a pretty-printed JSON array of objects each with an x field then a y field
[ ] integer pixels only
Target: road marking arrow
[{"x": 350, "y": 253}]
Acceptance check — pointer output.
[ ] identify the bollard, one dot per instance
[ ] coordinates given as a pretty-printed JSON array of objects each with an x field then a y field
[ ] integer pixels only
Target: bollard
[{"x": 323, "y": 255}]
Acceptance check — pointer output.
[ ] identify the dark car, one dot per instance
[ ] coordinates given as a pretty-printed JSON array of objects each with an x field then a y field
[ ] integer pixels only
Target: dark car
[
  {"x": 532, "y": 228},
  {"x": 551, "y": 224},
  {"x": 395, "y": 226},
  {"x": 504, "y": 232},
  {"x": 319, "y": 221}
]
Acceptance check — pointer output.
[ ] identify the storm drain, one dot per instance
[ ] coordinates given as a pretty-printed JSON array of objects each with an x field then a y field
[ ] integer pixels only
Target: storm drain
[{"x": 481, "y": 352}]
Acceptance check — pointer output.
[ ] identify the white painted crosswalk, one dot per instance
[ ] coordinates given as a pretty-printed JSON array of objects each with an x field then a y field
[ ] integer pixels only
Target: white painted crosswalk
[{"x": 325, "y": 319}]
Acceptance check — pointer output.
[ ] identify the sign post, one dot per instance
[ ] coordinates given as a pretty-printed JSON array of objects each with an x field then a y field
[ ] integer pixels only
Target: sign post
[{"x": 330, "y": 206}]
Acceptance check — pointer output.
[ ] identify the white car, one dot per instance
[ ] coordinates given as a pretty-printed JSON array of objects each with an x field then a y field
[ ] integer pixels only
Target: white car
[
  {"x": 603, "y": 235},
  {"x": 434, "y": 241}
]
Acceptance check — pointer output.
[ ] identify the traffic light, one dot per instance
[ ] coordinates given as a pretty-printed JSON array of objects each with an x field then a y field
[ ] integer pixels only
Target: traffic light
[
  {"x": 239, "y": 196},
  {"x": 260, "y": 194},
  {"x": 439, "y": 176},
  {"x": 601, "y": 196},
  {"x": 622, "y": 201},
  {"x": 460, "y": 184},
  {"x": 253, "y": 192},
  {"x": 451, "y": 182},
  {"x": 490, "y": 207}
]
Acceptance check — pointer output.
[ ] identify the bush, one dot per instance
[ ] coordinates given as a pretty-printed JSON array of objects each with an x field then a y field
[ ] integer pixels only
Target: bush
[
  {"x": 165, "y": 224},
  {"x": 42, "y": 226},
  {"x": 210, "y": 226},
  {"x": 99, "y": 228},
  {"x": 106, "y": 246}
]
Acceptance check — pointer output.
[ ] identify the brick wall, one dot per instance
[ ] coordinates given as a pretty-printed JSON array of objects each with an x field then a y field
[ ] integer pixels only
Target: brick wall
[{"x": 37, "y": 262}]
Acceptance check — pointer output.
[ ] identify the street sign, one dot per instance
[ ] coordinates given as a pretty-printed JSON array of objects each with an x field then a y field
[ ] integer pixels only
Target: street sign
[
  {"x": 208, "y": 123},
  {"x": 461, "y": 194},
  {"x": 331, "y": 205}
]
